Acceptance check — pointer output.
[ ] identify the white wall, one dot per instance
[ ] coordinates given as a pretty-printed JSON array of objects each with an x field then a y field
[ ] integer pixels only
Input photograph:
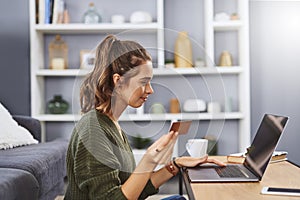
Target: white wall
[{"x": 275, "y": 67}]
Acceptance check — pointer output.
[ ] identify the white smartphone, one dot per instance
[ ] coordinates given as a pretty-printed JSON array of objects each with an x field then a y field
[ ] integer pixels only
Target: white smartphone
[{"x": 281, "y": 191}]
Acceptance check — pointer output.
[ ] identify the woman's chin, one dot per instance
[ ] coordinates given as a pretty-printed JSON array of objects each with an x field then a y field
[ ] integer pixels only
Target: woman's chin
[{"x": 137, "y": 105}]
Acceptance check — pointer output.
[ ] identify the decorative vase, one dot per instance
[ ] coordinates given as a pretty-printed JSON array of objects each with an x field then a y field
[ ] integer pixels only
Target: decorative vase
[
  {"x": 183, "y": 51},
  {"x": 174, "y": 105},
  {"x": 225, "y": 59},
  {"x": 157, "y": 108},
  {"x": 92, "y": 16},
  {"x": 58, "y": 105}
]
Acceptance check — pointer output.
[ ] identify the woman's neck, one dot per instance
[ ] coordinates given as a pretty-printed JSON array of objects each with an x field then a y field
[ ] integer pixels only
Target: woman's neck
[{"x": 117, "y": 110}]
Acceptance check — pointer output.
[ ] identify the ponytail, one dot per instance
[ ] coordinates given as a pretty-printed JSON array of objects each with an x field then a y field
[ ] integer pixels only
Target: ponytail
[{"x": 112, "y": 56}]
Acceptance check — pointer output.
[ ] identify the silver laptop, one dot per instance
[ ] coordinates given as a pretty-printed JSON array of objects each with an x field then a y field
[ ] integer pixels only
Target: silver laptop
[{"x": 257, "y": 158}]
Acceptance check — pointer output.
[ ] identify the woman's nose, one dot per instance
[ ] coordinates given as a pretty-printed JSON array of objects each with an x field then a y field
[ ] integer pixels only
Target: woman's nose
[{"x": 149, "y": 89}]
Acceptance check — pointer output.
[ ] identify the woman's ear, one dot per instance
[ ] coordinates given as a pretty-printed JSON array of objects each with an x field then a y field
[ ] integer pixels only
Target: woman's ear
[{"x": 116, "y": 78}]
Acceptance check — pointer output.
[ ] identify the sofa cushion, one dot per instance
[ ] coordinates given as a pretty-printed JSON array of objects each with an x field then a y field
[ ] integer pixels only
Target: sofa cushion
[
  {"x": 31, "y": 124},
  {"x": 11, "y": 134},
  {"x": 46, "y": 161},
  {"x": 17, "y": 184}
]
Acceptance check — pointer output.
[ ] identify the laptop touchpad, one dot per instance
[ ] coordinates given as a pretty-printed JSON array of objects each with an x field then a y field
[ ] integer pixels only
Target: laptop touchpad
[{"x": 204, "y": 173}]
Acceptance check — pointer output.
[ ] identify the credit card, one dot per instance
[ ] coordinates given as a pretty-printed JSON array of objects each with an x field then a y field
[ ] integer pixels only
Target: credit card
[{"x": 182, "y": 127}]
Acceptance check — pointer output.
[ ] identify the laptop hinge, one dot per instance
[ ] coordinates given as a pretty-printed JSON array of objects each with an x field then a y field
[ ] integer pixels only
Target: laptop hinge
[{"x": 253, "y": 171}]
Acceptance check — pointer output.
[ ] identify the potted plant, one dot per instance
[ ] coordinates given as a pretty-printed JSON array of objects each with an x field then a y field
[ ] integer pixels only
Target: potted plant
[{"x": 139, "y": 142}]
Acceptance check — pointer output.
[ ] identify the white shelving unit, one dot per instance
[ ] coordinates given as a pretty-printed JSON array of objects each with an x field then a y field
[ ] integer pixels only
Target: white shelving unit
[
  {"x": 240, "y": 26},
  {"x": 40, "y": 71}
]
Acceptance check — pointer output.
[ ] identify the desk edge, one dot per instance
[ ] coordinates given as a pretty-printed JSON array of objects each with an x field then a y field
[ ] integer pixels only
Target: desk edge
[{"x": 187, "y": 184}]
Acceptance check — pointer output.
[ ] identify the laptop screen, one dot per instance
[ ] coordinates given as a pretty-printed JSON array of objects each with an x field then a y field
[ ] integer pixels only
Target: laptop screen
[{"x": 264, "y": 143}]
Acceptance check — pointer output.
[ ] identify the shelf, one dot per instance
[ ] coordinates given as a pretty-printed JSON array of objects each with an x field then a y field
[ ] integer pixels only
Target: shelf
[
  {"x": 65, "y": 72},
  {"x": 181, "y": 116},
  {"x": 95, "y": 28},
  {"x": 58, "y": 117},
  {"x": 149, "y": 117},
  {"x": 197, "y": 71},
  {"x": 156, "y": 72},
  {"x": 227, "y": 25}
]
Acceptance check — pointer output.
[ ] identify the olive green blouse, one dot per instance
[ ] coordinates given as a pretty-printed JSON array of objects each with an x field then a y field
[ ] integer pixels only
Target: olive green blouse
[{"x": 99, "y": 160}]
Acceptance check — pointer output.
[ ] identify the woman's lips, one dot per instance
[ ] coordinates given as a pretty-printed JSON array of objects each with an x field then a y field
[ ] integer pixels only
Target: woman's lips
[{"x": 144, "y": 98}]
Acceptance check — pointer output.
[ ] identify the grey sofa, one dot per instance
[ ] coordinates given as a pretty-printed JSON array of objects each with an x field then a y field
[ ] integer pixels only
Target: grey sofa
[{"x": 34, "y": 171}]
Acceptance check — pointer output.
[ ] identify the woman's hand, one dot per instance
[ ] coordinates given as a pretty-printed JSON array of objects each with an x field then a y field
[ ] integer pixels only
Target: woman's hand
[
  {"x": 160, "y": 152},
  {"x": 187, "y": 161}
]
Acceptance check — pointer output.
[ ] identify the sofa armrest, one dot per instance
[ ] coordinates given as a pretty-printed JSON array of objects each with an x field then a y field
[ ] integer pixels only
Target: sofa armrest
[{"x": 31, "y": 124}]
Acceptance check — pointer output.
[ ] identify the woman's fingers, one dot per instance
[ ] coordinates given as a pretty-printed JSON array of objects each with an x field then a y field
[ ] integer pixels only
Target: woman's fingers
[
  {"x": 157, "y": 144},
  {"x": 203, "y": 159},
  {"x": 168, "y": 152},
  {"x": 161, "y": 150},
  {"x": 165, "y": 140},
  {"x": 212, "y": 160},
  {"x": 166, "y": 155},
  {"x": 188, "y": 161}
]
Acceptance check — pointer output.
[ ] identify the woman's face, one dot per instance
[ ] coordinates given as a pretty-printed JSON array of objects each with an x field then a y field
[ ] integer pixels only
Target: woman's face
[{"x": 139, "y": 87}]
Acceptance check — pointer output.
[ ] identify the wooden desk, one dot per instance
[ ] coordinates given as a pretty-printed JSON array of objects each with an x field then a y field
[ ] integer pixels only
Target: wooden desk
[{"x": 280, "y": 174}]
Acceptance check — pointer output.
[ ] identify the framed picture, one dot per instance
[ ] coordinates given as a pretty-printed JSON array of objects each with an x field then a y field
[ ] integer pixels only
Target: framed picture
[{"x": 87, "y": 59}]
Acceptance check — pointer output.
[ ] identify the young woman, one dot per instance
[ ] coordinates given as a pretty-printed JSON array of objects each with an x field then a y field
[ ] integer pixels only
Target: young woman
[{"x": 100, "y": 163}]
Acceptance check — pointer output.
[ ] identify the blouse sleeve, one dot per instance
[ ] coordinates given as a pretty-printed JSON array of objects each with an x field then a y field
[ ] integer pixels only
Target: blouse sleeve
[{"x": 148, "y": 190}]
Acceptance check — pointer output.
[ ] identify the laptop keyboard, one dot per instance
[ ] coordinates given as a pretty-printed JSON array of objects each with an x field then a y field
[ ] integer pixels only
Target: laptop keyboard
[{"x": 230, "y": 171}]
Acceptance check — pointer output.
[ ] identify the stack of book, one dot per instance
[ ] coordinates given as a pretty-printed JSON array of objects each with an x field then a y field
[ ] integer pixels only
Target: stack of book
[
  {"x": 50, "y": 11},
  {"x": 240, "y": 157}
]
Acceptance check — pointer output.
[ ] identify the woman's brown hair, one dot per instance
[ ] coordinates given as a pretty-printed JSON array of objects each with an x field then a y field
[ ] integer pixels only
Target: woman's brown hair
[{"x": 112, "y": 56}]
